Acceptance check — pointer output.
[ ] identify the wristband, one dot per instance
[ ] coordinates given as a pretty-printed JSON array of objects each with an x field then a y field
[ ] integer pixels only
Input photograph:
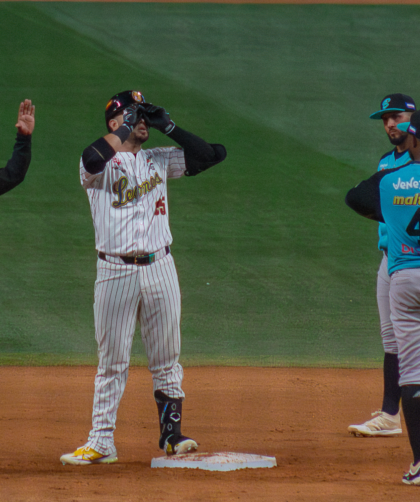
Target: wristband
[
  {"x": 123, "y": 132},
  {"x": 169, "y": 128}
]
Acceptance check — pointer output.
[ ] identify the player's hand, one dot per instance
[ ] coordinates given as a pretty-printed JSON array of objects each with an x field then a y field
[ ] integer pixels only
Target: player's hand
[
  {"x": 132, "y": 116},
  {"x": 158, "y": 118},
  {"x": 26, "y": 118}
]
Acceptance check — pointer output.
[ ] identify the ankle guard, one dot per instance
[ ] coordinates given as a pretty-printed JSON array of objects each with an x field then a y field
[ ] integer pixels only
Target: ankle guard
[{"x": 170, "y": 414}]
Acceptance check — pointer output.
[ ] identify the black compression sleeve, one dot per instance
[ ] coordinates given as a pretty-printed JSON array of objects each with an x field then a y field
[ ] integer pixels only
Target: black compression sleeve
[
  {"x": 365, "y": 199},
  {"x": 194, "y": 166},
  {"x": 195, "y": 146},
  {"x": 199, "y": 155},
  {"x": 17, "y": 167},
  {"x": 96, "y": 155}
]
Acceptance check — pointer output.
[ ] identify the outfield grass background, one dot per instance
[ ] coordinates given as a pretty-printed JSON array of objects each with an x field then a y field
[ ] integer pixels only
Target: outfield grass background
[{"x": 274, "y": 268}]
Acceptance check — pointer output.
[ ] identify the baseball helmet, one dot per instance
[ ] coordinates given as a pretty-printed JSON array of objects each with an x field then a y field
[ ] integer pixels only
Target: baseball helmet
[{"x": 120, "y": 101}]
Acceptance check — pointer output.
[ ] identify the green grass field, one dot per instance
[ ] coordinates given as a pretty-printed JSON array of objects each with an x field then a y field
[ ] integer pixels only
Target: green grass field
[{"x": 274, "y": 268}]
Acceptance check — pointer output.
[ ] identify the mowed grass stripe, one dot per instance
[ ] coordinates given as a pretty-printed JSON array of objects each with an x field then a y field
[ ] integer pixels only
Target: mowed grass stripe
[{"x": 274, "y": 269}]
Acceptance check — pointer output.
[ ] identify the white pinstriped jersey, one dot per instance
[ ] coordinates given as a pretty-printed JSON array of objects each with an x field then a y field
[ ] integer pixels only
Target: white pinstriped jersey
[{"x": 128, "y": 200}]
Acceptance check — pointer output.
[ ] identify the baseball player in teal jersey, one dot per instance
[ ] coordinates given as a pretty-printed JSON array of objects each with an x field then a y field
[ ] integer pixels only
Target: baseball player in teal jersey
[
  {"x": 395, "y": 109},
  {"x": 393, "y": 197}
]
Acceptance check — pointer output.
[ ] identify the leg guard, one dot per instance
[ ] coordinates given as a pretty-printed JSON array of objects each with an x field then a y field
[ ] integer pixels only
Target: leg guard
[
  {"x": 170, "y": 414},
  {"x": 392, "y": 390},
  {"x": 411, "y": 408}
]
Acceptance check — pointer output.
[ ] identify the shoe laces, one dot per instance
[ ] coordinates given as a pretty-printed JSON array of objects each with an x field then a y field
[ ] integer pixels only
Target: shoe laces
[
  {"x": 383, "y": 419},
  {"x": 378, "y": 413},
  {"x": 381, "y": 414},
  {"x": 85, "y": 451}
]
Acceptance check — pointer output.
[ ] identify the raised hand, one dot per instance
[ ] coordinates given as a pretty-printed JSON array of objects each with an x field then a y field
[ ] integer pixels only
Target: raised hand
[
  {"x": 26, "y": 118},
  {"x": 158, "y": 117},
  {"x": 132, "y": 116}
]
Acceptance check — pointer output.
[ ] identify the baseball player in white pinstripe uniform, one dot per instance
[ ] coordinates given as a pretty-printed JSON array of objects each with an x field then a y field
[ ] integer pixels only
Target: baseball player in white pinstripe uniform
[{"x": 137, "y": 279}]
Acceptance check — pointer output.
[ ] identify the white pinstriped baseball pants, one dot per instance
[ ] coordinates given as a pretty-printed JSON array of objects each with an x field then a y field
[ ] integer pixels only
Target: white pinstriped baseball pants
[
  {"x": 125, "y": 294},
  {"x": 389, "y": 341}
]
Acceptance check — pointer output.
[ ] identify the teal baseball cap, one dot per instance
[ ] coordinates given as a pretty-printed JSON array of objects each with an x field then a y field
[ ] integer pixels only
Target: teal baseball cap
[
  {"x": 412, "y": 127},
  {"x": 395, "y": 103}
]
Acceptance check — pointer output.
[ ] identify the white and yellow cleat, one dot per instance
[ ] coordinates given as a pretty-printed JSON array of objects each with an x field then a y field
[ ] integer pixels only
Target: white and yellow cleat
[{"x": 86, "y": 456}]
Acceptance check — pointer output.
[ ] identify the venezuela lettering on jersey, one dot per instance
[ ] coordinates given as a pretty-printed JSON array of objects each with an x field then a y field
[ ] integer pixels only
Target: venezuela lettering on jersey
[
  {"x": 405, "y": 185},
  {"x": 126, "y": 195}
]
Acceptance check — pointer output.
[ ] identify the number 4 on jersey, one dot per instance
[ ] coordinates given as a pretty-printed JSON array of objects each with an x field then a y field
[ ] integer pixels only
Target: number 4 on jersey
[{"x": 415, "y": 222}]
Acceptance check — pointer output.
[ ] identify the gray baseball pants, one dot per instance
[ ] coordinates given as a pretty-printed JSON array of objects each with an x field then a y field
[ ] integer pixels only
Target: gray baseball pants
[
  {"x": 405, "y": 316},
  {"x": 389, "y": 341}
]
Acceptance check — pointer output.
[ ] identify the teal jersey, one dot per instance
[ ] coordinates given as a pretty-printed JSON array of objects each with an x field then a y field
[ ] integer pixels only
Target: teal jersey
[
  {"x": 400, "y": 207},
  {"x": 389, "y": 161}
]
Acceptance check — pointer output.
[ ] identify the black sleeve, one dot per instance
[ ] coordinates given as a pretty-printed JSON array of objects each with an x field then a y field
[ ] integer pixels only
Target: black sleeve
[
  {"x": 199, "y": 155},
  {"x": 96, "y": 155},
  {"x": 364, "y": 198},
  {"x": 17, "y": 167}
]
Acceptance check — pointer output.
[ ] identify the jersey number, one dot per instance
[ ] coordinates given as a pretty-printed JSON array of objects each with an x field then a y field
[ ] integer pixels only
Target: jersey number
[
  {"x": 415, "y": 221},
  {"x": 160, "y": 206}
]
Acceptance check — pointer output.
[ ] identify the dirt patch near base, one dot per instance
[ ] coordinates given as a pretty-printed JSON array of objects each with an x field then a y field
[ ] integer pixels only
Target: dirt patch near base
[{"x": 299, "y": 416}]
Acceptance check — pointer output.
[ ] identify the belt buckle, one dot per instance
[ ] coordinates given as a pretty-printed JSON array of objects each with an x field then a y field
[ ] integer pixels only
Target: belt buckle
[{"x": 140, "y": 260}]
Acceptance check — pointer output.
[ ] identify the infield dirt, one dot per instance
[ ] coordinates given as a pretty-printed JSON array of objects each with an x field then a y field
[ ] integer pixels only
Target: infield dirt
[{"x": 298, "y": 415}]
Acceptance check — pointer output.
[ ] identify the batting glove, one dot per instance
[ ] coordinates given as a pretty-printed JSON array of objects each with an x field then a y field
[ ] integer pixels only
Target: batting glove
[
  {"x": 158, "y": 118},
  {"x": 131, "y": 117}
]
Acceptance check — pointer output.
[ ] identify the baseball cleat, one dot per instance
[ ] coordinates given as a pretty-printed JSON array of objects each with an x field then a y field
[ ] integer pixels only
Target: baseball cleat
[
  {"x": 412, "y": 477},
  {"x": 178, "y": 444},
  {"x": 86, "y": 456},
  {"x": 382, "y": 425}
]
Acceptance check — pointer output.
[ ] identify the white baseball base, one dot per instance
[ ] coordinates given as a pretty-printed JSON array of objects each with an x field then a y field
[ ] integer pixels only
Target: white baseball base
[{"x": 223, "y": 461}]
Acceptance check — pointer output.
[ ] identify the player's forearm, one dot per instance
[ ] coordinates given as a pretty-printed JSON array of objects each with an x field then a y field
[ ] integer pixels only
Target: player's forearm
[
  {"x": 16, "y": 168},
  {"x": 96, "y": 155},
  {"x": 199, "y": 155},
  {"x": 193, "y": 145}
]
